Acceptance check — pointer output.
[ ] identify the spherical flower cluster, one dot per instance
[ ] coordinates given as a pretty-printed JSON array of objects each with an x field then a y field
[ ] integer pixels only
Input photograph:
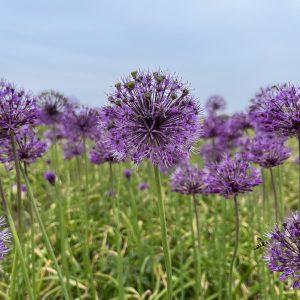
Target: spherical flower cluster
[
  {"x": 72, "y": 149},
  {"x": 127, "y": 173},
  {"x": 213, "y": 152},
  {"x": 80, "y": 123},
  {"x": 54, "y": 134},
  {"x": 215, "y": 103},
  {"x": 283, "y": 250},
  {"x": 17, "y": 108},
  {"x": 29, "y": 147},
  {"x": 144, "y": 186},
  {"x": 156, "y": 118},
  {"x": 267, "y": 150},
  {"x": 52, "y": 105},
  {"x": 213, "y": 126},
  {"x": 232, "y": 176},
  {"x": 240, "y": 121},
  {"x": 5, "y": 238},
  {"x": 101, "y": 153},
  {"x": 278, "y": 109},
  {"x": 50, "y": 176},
  {"x": 188, "y": 180}
]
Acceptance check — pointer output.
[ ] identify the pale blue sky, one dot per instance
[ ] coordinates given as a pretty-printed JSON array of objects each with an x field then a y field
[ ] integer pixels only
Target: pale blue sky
[{"x": 82, "y": 47}]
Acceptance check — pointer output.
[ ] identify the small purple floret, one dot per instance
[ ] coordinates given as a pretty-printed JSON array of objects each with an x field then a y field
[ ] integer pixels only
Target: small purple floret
[{"x": 50, "y": 176}]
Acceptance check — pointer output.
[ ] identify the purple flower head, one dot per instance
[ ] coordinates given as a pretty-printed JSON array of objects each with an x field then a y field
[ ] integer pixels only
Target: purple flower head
[
  {"x": 283, "y": 250},
  {"x": 50, "y": 176},
  {"x": 29, "y": 147},
  {"x": 5, "y": 238},
  {"x": 188, "y": 180},
  {"x": 72, "y": 149},
  {"x": 127, "y": 173},
  {"x": 102, "y": 151},
  {"x": 17, "y": 108},
  {"x": 55, "y": 134},
  {"x": 213, "y": 126},
  {"x": 80, "y": 123},
  {"x": 267, "y": 150},
  {"x": 144, "y": 186},
  {"x": 232, "y": 176},
  {"x": 213, "y": 152},
  {"x": 278, "y": 109},
  {"x": 155, "y": 117},
  {"x": 111, "y": 193},
  {"x": 52, "y": 105},
  {"x": 241, "y": 121},
  {"x": 23, "y": 188},
  {"x": 215, "y": 103}
]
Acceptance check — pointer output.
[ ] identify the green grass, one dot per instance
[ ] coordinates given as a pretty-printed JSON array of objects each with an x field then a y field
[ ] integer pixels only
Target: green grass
[{"x": 120, "y": 262}]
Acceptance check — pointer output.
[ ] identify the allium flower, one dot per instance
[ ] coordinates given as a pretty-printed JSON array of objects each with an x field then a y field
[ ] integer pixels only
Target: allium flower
[
  {"x": 101, "y": 151},
  {"x": 232, "y": 176},
  {"x": 72, "y": 149},
  {"x": 50, "y": 176},
  {"x": 80, "y": 123},
  {"x": 241, "y": 121},
  {"x": 29, "y": 147},
  {"x": 213, "y": 126},
  {"x": 267, "y": 150},
  {"x": 55, "y": 134},
  {"x": 127, "y": 173},
  {"x": 17, "y": 108},
  {"x": 155, "y": 117},
  {"x": 188, "y": 180},
  {"x": 143, "y": 186},
  {"x": 52, "y": 105},
  {"x": 278, "y": 109},
  {"x": 5, "y": 238},
  {"x": 213, "y": 152},
  {"x": 215, "y": 103},
  {"x": 23, "y": 188},
  {"x": 283, "y": 250}
]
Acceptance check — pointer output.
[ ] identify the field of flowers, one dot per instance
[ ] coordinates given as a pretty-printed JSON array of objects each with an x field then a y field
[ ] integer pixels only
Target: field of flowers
[{"x": 156, "y": 195}]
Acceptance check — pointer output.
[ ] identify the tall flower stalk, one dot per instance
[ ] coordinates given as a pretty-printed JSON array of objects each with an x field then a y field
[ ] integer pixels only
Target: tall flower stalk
[
  {"x": 152, "y": 116},
  {"x": 229, "y": 178},
  {"x": 189, "y": 180},
  {"x": 236, "y": 244},
  {"x": 163, "y": 230}
]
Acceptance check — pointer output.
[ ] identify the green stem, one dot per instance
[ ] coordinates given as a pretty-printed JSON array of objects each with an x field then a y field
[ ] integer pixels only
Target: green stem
[
  {"x": 17, "y": 243},
  {"x": 163, "y": 228},
  {"x": 195, "y": 250},
  {"x": 195, "y": 206},
  {"x": 63, "y": 236},
  {"x": 18, "y": 179},
  {"x": 86, "y": 255},
  {"x": 179, "y": 225},
  {"x": 275, "y": 195},
  {"x": 45, "y": 236},
  {"x": 116, "y": 206},
  {"x": 14, "y": 276},
  {"x": 237, "y": 235},
  {"x": 197, "y": 221}
]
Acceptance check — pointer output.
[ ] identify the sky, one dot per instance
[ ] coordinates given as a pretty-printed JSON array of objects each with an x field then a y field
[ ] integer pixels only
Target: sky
[{"x": 81, "y": 48}]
